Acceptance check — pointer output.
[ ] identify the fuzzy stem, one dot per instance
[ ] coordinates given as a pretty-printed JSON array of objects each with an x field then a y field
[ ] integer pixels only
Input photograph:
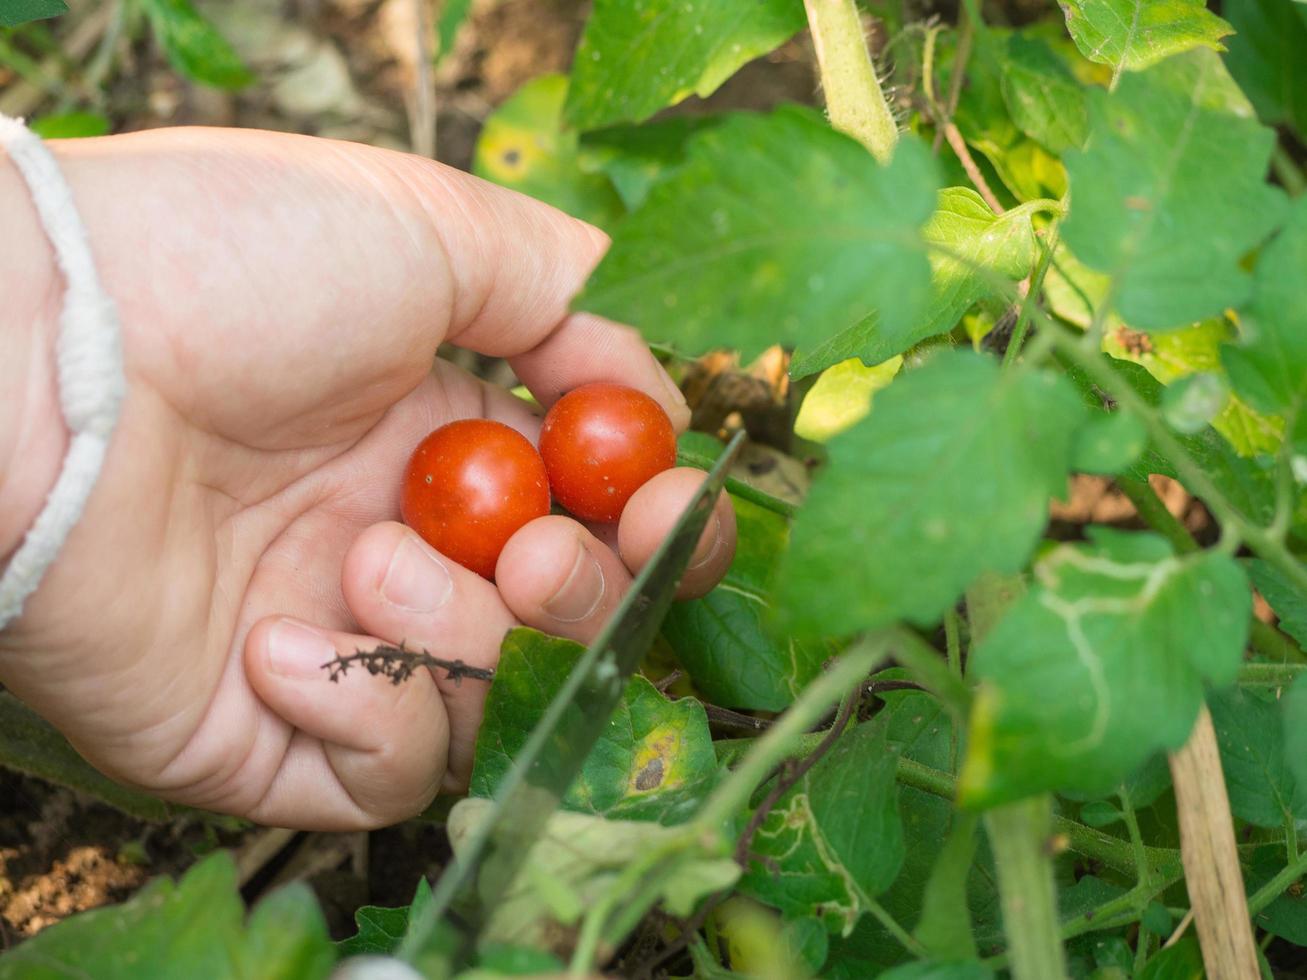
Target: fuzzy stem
[
  {"x": 854, "y": 100},
  {"x": 1019, "y": 834}
]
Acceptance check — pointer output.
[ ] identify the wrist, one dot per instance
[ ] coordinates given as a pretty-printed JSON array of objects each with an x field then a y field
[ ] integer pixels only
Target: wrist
[{"x": 33, "y": 437}]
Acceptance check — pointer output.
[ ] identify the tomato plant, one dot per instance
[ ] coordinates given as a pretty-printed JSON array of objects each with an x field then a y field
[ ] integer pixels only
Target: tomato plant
[
  {"x": 601, "y": 443},
  {"x": 470, "y": 486},
  {"x": 1013, "y": 685}
]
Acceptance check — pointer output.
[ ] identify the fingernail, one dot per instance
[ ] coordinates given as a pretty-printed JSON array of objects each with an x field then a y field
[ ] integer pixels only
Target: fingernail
[
  {"x": 708, "y": 544},
  {"x": 298, "y": 651},
  {"x": 416, "y": 580},
  {"x": 673, "y": 389},
  {"x": 581, "y": 592}
]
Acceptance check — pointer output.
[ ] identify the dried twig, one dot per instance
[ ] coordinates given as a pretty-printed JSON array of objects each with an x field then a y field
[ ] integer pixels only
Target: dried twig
[{"x": 399, "y": 664}]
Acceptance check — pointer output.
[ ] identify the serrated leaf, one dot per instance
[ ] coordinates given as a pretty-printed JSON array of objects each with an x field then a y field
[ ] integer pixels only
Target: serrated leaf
[
  {"x": 1284, "y": 597},
  {"x": 1135, "y": 34},
  {"x": 655, "y": 762},
  {"x": 193, "y": 45},
  {"x": 722, "y": 640},
  {"x": 1170, "y": 193},
  {"x": 636, "y": 58},
  {"x": 1043, "y": 98},
  {"x": 1101, "y": 664},
  {"x": 16, "y": 12},
  {"x": 636, "y": 157},
  {"x": 191, "y": 928},
  {"x": 718, "y": 255},
  {"x": 380, "y": 930},
  {"x": 1266, "y": 58},
  {"x": 523, "y": 146},
  {"x": 1270, "y": 365},
  {"x": 1249, "y": 731},
  {"x": 972, "y": 247},
  {"x": 956, "y": 453},
  {"x": 834, "y": 841}
]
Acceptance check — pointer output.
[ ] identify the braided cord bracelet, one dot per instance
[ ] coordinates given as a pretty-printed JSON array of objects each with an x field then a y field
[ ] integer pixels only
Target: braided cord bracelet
[{"x": 89, "y": 356}]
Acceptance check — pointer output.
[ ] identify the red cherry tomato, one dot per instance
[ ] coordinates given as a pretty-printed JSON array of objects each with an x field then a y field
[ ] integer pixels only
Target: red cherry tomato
[
  {"x": 600, "y": 443},
  {"x": 470, "y": 486}
]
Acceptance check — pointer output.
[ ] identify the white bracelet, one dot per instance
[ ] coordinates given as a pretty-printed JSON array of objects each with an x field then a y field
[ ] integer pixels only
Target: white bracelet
[{"x": 90, "y": 367}]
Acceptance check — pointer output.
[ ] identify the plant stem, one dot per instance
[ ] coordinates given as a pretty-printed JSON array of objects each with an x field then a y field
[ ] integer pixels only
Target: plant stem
[
  {"x": 739, "y": 488},
  {"x": 893, "y": 927},
  {"x": 1032, "y": 298},
  {"x": 1155, "y": 514},
  {"x": 1290, "y": 174},
  {"x": 1274, "y": 888},
  {"x": 1194, "y": 476},
  {"x": 1143, "y": 870},
  {"x": 1274, "y": 645},
  {"x": 733, "y": 793},
  {"x": 854, "y": 100},
  {"x": 1019, "y": 834},
  {"x": 953, "y": 642},
  {"x": 923, "y": 662},
  {"x": 1270, "y": 675}
]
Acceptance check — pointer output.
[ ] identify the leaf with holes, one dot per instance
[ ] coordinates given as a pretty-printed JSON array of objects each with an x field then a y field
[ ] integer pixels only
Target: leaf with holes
[
  {"x": 955, "y": 453},
  {"x": 1134, "y": 34},
  {"x": 719, "y": 255},
  {"x": 1102, "y": 663},
  {"x": 1170, "y": 195},
  {"x": 655, "y": 762},
  {"x": 637, "y": 57}
]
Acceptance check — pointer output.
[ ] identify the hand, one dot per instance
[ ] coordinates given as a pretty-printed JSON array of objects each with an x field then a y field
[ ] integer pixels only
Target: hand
[{"x": 282, "y": 299}]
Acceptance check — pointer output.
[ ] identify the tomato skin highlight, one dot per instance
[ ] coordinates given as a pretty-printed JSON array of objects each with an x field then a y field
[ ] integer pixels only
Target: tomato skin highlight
[
  {"x": 601, "y": 443},
  {"x": 469, "y": 487}
]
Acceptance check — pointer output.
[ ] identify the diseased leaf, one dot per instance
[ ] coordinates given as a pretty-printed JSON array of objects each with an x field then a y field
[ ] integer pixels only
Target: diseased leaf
[
  {"x": 1289, "y": 604},
  {"x": 1134, "y": 34},
  {"x": 721, "y": 639},
  {"x": 954, "y": 453},
  {"x": 1170, "y": 193},
  {"x": 1262, "y": 788},
  {"x": 1044, "y": 99},
  {"x": 1101, "y": 664},
  {"x": 972, "y": 247},
  {"x": 834, "y": 841},
  {"x": 841, "y": 397},
  {"x": 655, "y": 762},
  {"x": 193, "y": 45},
  {"x": 719, "y": 255},
  {"x": 636, "y": 58},
  {"x": 1270, "y": 365},
  {"x": 523, "y": 146},
  {"x": 1266, "y": 58}
]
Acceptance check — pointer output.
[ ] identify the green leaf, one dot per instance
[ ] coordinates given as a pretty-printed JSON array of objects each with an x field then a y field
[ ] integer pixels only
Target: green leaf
[
  {"x": 523, "y": 146},
  {"x": 380, "y": 930},
  {"x": 1266, "y": 58},
  {"x": 719, "y": 255},
  {"x": 945, "y": 926},
  {"x": 453, "y": 14},
  {"x": 721, "y": 639},
  {"x": 1270, "y": 366},
  {"x": 1294, "y": 712},
  {"x": 16, "y": 12},
  {"x": 636, "y": 58},
  {"x": 29, "y": 744},
  {"x": 1289, "y": 604},
  {"x": 1108, "y": 442},
  {"x": 287, "y": 937},
  {"x": 1100, "y": 664},
  {"x": 656, "y": 761},
  {"x": 1263, "y": 789},
  {"x": 189, "y": 929},
  {"x": 834, "y": 841},
  {"x": 956, "y": 453},
  {"x": 1170, "y": 193},
  {"x": 1135, "y": 34},
  {"x": 1043, "y": 98},
  {"x": 972, "y": 248},
  {"x": 940, "y": 970},
  {"x": 193, "y": 45},
  {"x": 636, "y": 157},
  {"x": 1183, "y": 961},
  {"x": 70, "y": 125},
  {"x": 1286, "y": 916},
  {"x": 1099, "y": 813},
  {"x": 578, "y": 859}
]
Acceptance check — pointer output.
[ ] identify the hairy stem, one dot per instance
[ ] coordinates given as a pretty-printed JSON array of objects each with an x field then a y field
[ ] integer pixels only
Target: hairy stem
[
  {"x": 854, "y": 100},
  {"x": 1019, "y": 834}
]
